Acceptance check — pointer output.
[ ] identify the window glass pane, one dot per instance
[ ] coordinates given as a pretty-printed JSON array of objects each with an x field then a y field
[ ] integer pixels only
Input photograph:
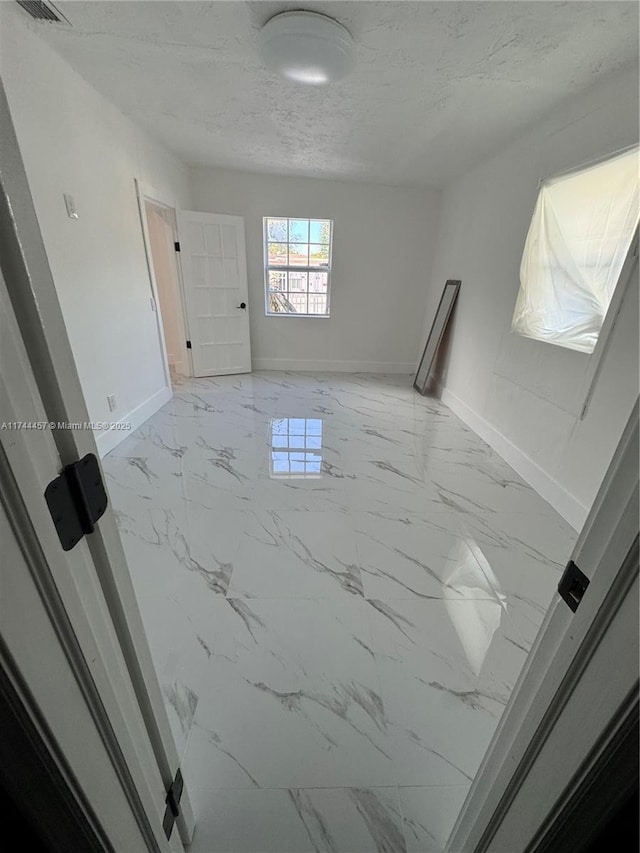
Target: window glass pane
[
  {"x": 318, "y": 255},
  {"x": 277, "y": 280},
  {"x": 277, "y": 254},
  {"x": 317, "y": 304},
  {"x": 297, "y": 281},
  {"x": 318, "y": 282},
  {"x": 298, "y": 230},
  {"x": 298, "y": 302},
  {"x": 277, "y": 230},
  {"x": 279, "y": 304},
  {"x": 320, "y": 231},
  {"x": 298, "y": 254}
]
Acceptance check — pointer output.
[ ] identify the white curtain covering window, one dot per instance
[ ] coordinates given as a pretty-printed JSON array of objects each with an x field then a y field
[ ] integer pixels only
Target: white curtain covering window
[{"x": 579, "y": 237}]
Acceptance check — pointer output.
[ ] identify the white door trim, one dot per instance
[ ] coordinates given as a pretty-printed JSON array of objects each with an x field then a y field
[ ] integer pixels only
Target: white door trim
[
  {"x": 95, "y": 777},
  {"x": 582, "y": 720},
  {"x": 47, "y": 383},
  {"x": 565, "y": 646},
  {"x": 155, "y": 196},
  {"x": 68, "y": 583}
]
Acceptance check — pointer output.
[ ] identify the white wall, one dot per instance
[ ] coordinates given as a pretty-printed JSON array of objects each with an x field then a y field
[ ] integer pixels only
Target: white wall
[
  {"x": 74, "y": 141},
  {"x": 524, "y": 396},
  {"x": 382, "y": 254}
]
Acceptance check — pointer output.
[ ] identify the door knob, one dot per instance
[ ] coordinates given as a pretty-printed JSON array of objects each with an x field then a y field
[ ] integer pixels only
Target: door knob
[{"x": 242, "y": 305}]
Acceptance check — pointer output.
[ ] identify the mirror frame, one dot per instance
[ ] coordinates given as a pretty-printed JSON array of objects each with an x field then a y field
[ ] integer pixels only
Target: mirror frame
[{"x": 438, "y": 328}]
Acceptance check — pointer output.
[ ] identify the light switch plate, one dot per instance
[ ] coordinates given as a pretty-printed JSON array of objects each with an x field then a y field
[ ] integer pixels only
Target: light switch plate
[{"x": 71, "y": 206}]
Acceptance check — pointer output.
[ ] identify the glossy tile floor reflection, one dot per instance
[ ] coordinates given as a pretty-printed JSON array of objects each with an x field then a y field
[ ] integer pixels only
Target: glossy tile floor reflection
[{"x": 340, "y": 583}]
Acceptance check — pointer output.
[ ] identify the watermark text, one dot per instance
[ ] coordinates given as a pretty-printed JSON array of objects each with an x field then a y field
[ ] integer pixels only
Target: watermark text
[{"x": 94, "y": 426}]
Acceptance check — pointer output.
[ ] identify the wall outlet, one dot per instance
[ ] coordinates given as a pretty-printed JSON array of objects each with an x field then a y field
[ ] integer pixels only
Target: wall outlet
[{"x": 111, "y": 402}]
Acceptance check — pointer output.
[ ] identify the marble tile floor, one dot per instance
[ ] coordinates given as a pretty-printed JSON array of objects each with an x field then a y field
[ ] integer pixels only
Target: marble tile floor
[{"x": 340, "y": 583}]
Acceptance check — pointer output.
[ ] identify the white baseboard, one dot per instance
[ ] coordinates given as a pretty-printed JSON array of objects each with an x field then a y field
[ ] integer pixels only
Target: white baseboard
[
  {"x": 328, "y": 366},
  {"x": 106, "y": 441},
  {"x": 564, "y": 503}
]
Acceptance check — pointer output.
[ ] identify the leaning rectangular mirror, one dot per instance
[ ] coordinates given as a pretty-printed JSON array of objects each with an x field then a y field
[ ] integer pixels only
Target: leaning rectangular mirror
[{"x": 445, "y": 306}]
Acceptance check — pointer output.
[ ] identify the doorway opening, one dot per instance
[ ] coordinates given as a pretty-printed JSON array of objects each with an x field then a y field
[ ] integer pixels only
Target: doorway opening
[{"x": 159, "y": 227}]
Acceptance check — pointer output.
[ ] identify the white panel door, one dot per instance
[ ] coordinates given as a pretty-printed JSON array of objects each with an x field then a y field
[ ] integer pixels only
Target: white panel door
[{"x": 214, "y": 271}]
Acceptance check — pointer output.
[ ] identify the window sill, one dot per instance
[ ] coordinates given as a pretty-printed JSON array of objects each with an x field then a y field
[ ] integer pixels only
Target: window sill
[{"x": 303, "y": 316}]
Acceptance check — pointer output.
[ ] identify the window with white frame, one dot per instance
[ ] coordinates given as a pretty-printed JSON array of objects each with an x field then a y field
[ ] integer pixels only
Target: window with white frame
[
  {"x": 297, "y": 260},
  {"x": 580, "y": 235}
]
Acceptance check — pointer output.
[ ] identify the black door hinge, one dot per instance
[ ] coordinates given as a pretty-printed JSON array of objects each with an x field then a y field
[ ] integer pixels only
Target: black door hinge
[
  {"x": 188, "y": 344},
  {"x": 76, "y": 500},
  {"x": 172, "y": 810},
  {"x": 176, "y": 246},
  {"x": 572, "y": 586}
]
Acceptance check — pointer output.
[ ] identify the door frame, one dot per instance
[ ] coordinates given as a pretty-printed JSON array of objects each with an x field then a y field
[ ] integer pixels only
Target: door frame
[
  {"x": 67, "y": 607},
  {"x": 146, "y": 193},
  {"x": 88, "y": 763},
  {"x": 35, "y": 776},
  {"x": 509, "y": 792},
  {"x": 40, "y": 383}
]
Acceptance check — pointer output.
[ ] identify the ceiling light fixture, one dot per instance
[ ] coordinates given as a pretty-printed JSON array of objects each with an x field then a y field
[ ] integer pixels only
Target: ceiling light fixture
[{"x": 306, "y": 47}]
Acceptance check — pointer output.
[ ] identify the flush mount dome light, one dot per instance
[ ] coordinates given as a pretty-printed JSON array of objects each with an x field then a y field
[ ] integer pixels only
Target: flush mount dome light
[{"x": 306, "y": 47}]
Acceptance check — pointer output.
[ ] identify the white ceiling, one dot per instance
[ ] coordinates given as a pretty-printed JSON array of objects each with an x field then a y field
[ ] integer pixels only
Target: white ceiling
[{"x": 437, "y": 86}]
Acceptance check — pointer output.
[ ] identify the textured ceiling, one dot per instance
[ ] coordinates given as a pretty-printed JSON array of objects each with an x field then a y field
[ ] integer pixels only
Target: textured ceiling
[{"x": 436, "y": 88}]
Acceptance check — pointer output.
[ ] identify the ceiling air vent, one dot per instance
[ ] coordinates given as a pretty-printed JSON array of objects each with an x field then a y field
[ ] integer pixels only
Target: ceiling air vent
[{"x": 42, "y": 11}]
